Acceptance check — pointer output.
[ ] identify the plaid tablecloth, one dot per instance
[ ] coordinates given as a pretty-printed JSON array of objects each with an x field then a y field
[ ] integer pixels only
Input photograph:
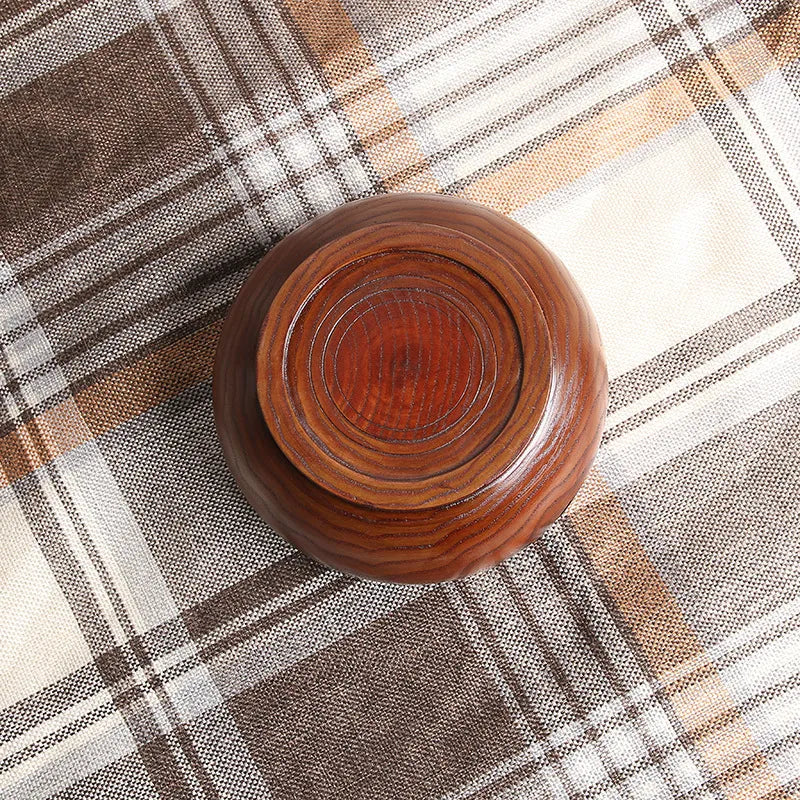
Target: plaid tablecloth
[{"x": 157, "y": 640}]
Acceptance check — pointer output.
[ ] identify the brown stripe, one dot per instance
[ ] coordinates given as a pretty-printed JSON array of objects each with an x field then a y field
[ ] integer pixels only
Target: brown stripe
[
  {"x": 623, "y": 127},
  {"x": 699, "y": 386},
  {"x": 725, "y": 66},
  {"x": 165, "y": 248},
  {"x": 494, "y": 75},
  {"x": 208, "y": 117},
  {"x": 108, "y": 403},
  {"x": 366, "y": 100},
  {"x": 334, "y": 105},
  {"x": 149, "y": 382},
  {"x": 247, "y": 93},
  {"x": 163, "y": 770},
  {"x": 579, "y": 711},
  {"x": 213, "y": 316},
  {"x": 180, "y": 291},
  {"x": 748, "y": 60},
  {"x": 250, "y": 593},
  {"x": 287, "y": 80},
  {"x": 292, "y": 610},
  {"x": 657, "y": 752},
  {"x": 132, "y": 214},
  {"x": 109, "y": 368},
  {"x": 603, "y": 138},
  {"x": 704, "y": 345},
  {"x": 532, "y": 106},
  {"x": 20, "y": 453},
  {"x": 668, "y": 644}
]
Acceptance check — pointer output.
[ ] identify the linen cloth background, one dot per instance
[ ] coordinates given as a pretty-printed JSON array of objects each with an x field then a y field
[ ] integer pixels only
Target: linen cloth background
[{"x": 158, "y": 640}]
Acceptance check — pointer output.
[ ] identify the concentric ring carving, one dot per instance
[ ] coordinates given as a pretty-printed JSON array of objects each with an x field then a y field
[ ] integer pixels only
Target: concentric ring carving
[
  {"x": 397, "y": 279},
  {"x": 404, "y": 364}
]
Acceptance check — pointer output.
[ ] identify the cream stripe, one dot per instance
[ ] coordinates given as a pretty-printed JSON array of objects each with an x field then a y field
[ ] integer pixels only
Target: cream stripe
[
  {"x": 707, "y": 368},
  {"x": 86, "y": 29},
  {"x": 90, "y": 573},
  {"x": 16, "y": 21},
  {"x": 62, "y": 765},
  {"x": 465, "y": 23},
  {"x": 721, "y": 406},
  {"x": 54, "y": 724},
  {"x": 110, "y": 214},
  {"x": 117, "y": 538}
]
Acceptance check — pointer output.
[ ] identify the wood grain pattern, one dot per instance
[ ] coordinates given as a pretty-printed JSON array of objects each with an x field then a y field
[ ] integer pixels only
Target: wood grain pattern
[{"x": 410, "y": 388}]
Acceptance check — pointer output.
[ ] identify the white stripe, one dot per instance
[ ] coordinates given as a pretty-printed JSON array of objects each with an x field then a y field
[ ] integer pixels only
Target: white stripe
[
  {"x": 707, "y": 368},
  {"x": 723, "y": 405},
  {"x": 66, "y": 763}
]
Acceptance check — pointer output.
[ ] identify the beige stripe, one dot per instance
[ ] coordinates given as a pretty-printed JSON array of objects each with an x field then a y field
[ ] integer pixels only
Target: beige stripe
[
  {"x": 704, "y": 706},
  {"x": 782, "y": 35},
  {"x": 366, "y": 100},
  {"x": 605, "y": 137},
  {"x": 150, "y": 381},
  {"x": 108, "y": 403},
  {"x": 633, "y": 122}
]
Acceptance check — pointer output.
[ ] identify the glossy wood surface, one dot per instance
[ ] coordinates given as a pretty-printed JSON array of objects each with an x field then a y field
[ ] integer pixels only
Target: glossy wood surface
[{"x": 409, "y": 388}]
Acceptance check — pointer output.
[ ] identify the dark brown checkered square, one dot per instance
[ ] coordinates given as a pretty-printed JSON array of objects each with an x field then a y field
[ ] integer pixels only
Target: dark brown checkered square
[
  {"x": 400, "y": 709},
  {"x": 87, "y": 135}
]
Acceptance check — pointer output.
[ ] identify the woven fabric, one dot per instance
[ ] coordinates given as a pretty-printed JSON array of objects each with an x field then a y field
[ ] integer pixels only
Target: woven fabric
[{"x": 157, "y": 640}]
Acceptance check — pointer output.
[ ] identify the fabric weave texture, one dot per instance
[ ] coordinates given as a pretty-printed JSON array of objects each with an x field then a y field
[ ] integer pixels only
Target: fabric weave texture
[{"x": 157, "y": 640}]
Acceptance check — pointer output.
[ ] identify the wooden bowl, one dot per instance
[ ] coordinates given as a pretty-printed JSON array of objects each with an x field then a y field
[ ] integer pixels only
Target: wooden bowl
[{"x": 410, "y": 388}]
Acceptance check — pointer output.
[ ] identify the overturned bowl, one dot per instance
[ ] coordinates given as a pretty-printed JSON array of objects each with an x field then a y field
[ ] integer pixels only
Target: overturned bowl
[{"x": 409, "y": 388}]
